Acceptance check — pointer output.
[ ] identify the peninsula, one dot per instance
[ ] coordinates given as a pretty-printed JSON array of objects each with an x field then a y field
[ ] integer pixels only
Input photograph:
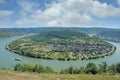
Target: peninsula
[{"x": 62, "y": 45}]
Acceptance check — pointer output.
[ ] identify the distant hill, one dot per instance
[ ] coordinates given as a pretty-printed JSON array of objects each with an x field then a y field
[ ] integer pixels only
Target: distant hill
[
  {"x": 61, "y": 45},
  {"x": 44, "y": 29},
  {"x": 109, "y": 35},
  {"x": 4, "y": 33}
]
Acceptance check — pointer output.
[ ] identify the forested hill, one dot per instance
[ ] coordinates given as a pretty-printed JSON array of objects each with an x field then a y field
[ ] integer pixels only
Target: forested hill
[
  {"x": 9, "y": 32},
  {"x": 60, "y": 34},
  {"x": 109, "y": 35},
  {"x": 4, "y": 33},
  {"x": 62, "y": 45}
]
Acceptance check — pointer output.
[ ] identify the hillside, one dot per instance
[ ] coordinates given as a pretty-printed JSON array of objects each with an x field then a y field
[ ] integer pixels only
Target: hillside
[
  {"x": 109, "y": 35},
  {"x": 9, "y": 32},
  {"x": 6, "y": 34},
  {"x": 12, "y": 75},
  {"x": 61, "y": 45}
]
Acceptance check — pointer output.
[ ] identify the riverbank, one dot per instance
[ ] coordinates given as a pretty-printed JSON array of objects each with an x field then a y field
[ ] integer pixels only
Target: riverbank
[{"x": 13, "y": 75}]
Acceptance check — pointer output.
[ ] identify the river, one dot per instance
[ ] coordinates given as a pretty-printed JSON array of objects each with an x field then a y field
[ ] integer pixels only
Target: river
[{"x": 7, "y": 61}]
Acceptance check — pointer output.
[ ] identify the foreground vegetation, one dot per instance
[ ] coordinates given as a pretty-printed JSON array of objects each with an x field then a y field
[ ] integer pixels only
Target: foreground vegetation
[
  {"x": 38, "y": 72},
  {"x": 13, "y": 75},
  {"x": 62, "y": 45},
  {"x": 90, "y": 68}
]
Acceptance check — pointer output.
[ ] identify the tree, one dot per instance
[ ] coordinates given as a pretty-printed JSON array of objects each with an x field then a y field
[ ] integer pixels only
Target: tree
[
  {"x": 48, "y": 70},
  {"x": 82, "y": 70},
  {"x": 36, "y": 68},
  {"x": 28, "y": 67},
  {"x": 112, "y": 69},
  {"x": 71, "y": 70},
  {"x": 41, "y": 69},
  {"x": 18, "y": 67},
  {"x": 103, "y": 67},
  {"x": 91, "y": 68},
  {"x": 118, "y": 67}
]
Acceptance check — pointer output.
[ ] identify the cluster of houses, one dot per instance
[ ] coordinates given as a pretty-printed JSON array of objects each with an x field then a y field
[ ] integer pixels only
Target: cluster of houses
[
  {"x": 79, "y": 49},
  {"x": 117, "y": 39}
]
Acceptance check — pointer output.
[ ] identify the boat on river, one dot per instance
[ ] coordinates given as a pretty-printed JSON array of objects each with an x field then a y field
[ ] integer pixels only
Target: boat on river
[{"x": 17, "y": 59}]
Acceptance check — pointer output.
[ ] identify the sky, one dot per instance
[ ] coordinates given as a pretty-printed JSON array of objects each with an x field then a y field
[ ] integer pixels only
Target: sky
[{"x": 59, "y": 13}]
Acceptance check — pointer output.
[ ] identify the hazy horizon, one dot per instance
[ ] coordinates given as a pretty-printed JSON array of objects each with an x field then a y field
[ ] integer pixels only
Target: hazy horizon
[{"x": 59, "y": 27}]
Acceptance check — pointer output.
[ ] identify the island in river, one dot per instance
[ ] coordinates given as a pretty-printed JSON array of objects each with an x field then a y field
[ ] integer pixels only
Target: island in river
[{"x": 61, "y": 45}]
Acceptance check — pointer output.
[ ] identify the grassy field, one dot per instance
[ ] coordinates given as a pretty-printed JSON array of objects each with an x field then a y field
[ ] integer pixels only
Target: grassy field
[{"x": 12, "y": 75}]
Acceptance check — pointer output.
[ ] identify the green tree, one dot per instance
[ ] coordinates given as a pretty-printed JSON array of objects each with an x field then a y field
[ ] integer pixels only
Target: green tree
[
  {"x": 40, "y": 69},
  {"x": 28, "y": 67},
  {"x": 65, "y": 71},
  {"x": 91, "y": 68},
  {"x": 18, "y": 67},
  {"x": 103, "y": 67},
  {"x": 71, "y": 70},
  {"x": 118, "y": 67},
  {"x": 112, "y": 69},
  {"x": 82, "y": 70},
  {"x": 77, "y": 71},
  {"x": 48, "y": 70},
  {"x": 36, "y": 68}
]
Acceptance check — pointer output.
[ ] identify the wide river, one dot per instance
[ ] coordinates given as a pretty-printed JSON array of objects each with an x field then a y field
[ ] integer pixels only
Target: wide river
[{"x": 7, "y": 61}]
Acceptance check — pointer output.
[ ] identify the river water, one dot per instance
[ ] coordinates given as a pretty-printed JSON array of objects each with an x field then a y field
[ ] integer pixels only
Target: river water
[{"x": 7, "y": 61}]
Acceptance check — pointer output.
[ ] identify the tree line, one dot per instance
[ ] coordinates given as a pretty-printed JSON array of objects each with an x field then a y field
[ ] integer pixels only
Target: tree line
[
  {"x": 90, "y": 68},
  {"x": 33, "y": 68}
]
